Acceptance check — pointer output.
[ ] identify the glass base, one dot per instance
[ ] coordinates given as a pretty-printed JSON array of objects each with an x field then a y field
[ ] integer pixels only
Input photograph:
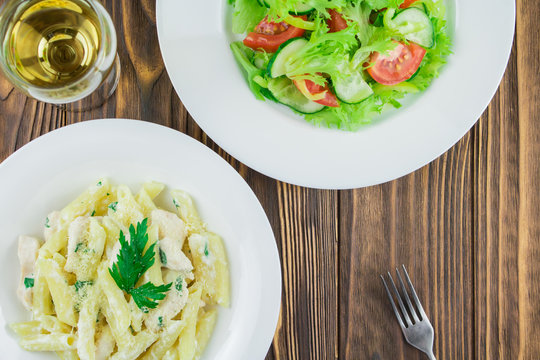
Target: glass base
[{"x": 100, "y": 95}]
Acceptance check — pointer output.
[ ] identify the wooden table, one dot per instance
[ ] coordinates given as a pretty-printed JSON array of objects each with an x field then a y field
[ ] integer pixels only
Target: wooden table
[{"x": 467, "y": 226}]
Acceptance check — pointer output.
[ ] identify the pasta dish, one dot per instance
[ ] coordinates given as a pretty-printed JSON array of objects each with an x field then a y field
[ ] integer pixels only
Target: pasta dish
[{"x": 117, "y": 277}]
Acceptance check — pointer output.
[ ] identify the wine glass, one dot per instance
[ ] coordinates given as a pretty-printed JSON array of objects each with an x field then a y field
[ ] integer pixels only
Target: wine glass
[{"x": 60, "y": 51}]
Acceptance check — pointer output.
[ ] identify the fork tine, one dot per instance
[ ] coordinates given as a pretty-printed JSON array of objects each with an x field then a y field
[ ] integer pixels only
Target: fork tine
[
  {"x": 416, "y": 300},
  {"x": 404, "y": 290},
  {"x": 396, "y": 311},
  {"x": 405, "y": 314}
]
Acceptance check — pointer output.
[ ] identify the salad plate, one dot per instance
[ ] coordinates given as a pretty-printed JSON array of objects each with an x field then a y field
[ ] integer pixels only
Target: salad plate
[
  {"x": 50, "y": 171},
  {"x": 195, "y": 42}
]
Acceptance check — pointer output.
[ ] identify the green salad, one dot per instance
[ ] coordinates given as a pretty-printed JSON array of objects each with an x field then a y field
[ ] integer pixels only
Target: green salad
[{"x": 339, "y": 63}]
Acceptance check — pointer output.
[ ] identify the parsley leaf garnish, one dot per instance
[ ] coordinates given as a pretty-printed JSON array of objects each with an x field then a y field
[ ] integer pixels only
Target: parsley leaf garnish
[
  {"x": 146, "y": 296},
  {"x": 162, "y": 257},
  {"x": 80, "y": 284},
  {"x": 28, "y": 282},
  {"x": 113, "y": 205},
  {"x": 79, "y": 246},
  {"x": 132, "y": 262}
]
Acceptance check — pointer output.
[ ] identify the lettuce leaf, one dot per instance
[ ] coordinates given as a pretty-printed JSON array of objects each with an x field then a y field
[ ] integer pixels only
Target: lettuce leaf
[
  {"x": 381, "y": 4},
  {"x": 325, "y": 52},
  {"x": 279, "y": 9},
  {"x": 254, "y": 75},
  {"x": 247, "y": 14}
]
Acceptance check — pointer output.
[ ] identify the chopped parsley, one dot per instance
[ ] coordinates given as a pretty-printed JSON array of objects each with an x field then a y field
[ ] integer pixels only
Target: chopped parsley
[
  {"x": 80, "y": 284},
  {"x": 113, "y": 206},
  {"x": 47, "y": 224},
  {"x": 178, "y": 284},
  {"x": 176, "y": 204},
  {"x": 93, "y": 213},
  {"x": 132, "y": 262},
  {"x": 162, "y": 257},
  {"x": 99, "y": 183},
  {"x": 160, "y": 321},
  {"x": 206, "y": 251},
  {"x": 28, "y": 282},
  {"x": 79, "y": 246}
]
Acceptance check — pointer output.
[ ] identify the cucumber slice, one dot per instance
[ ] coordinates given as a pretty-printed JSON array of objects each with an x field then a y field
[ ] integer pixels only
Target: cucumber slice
[
  {"x": 352, "y": 89},
  {"x": 416, "y": 26},
  {"x": 276, "y": 66},
  {"x": 286, "y": 93},
  {"x": 302, "y": 9}
]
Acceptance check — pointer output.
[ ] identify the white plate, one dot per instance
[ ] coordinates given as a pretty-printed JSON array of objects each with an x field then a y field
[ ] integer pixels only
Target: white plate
[
  {"x": 52, "y": 170},
  {"x": 194, "y": 37}
]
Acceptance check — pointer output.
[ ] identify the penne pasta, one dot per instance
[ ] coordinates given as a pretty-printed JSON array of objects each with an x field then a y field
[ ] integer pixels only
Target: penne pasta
[
  {"x": 85, "y": 203},
  {"x": 105, "y": 343},
  {"x": 42, "y": 301},
  {"x": 187, "y": 340},
  {"x": 116, "y": 278},
  {"x": 114, "y": 304},
  {"x": 68, "y": 355},
  {"x": 186, "y": 211},
  {"x": 86, "y": 327},
  {"x": 62, "y": 294},
  {"x": 153, "y": 188},
  {"x": 26, "y": 328},
  {"x": 48, "y": 342},
  {"x": 166, "y": 340},
  {"x": 145, "y": 202},
  {"x": 136, "y": 346},
  {"x": 205, "y": 326}
]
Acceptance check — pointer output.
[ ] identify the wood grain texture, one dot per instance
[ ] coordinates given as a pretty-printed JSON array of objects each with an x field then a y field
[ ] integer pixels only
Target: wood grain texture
[
  {"x": 423, "y": 221},
  {"x": 467, "y": 226}
]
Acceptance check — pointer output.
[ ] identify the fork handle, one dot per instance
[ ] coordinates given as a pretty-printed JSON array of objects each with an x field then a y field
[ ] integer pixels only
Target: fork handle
[{"x": 431, "y": 356}]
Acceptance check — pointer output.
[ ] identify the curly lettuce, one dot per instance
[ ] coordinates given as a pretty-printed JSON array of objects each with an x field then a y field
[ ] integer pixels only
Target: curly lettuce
[{"x": 330, "y": 57}]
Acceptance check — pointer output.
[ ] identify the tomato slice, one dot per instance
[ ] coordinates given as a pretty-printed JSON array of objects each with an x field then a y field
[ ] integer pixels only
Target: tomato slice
[
  {"x": 399, "y": 65},
  {"x": 406, "y": 4},
  {"x": 336, "y": 22},
  {"x": 317, "y": 93},
  {"x": 269, "y": 35}
]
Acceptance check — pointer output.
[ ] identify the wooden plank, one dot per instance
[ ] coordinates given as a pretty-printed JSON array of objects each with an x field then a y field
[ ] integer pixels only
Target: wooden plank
[
  {"x": 508, "y": 206},
  {"x": 307, "y": 238},
  {"x": 423, "y": 221},
  {"x": 528, "y": 47},
  {"x": 496, "y": 201}
]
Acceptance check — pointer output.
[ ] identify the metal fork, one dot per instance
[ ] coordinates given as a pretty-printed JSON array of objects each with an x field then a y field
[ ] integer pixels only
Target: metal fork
[{"x": 418, "y": 332}]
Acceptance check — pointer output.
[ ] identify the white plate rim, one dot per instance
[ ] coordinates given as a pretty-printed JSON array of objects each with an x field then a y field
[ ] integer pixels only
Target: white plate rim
[
  {"x": 279, "y": 157},
  {"x": 265, "y": 319}
]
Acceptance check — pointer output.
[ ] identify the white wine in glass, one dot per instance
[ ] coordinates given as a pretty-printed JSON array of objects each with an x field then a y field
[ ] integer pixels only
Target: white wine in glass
[{"x": 59, "y": 51}]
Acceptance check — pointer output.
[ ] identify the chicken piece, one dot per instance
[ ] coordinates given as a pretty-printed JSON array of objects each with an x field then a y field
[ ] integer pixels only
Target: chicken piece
[
  {"x": 169, "y": 225},
  {"x": 172, "y": 234},
  {"x": 52, "y": 225},
  {"x": 169, "y": 307},
  {"x": 28, "y": 253},
  {"x": 171, "y": 256}
]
